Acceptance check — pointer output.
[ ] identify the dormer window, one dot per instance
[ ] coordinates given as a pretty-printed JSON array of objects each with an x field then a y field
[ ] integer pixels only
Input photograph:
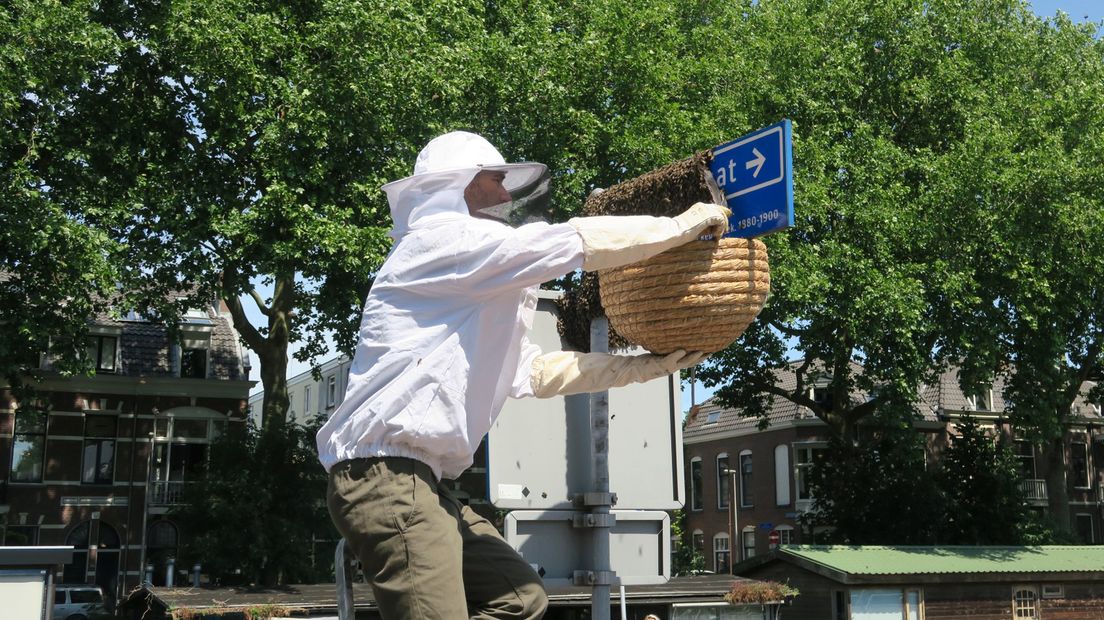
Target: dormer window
[
  {"x": 102, "y": 352},
  {"x": 196, "y": 316},
  {"x": 193, "y": 352},
  {"x": 981, "y": 401},
  {"x": 822, "y": 396},
  {"x": 713, "y": 416},
  {"x": 193, "y": 363}
]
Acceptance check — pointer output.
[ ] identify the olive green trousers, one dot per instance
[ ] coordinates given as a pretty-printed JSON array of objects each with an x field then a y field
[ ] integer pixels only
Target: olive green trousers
[{"x": 427, "y": 556}]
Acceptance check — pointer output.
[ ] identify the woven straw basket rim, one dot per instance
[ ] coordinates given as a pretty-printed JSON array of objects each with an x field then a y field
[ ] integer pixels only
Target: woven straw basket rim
[{"x": 698, "y": 297}]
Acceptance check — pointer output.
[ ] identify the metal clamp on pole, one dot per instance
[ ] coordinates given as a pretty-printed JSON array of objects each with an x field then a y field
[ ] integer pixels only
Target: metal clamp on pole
[
  {"x": 593, "y": 499},
  {"x": 594, "y": 520},
  {"x": 595, "y": 578}
]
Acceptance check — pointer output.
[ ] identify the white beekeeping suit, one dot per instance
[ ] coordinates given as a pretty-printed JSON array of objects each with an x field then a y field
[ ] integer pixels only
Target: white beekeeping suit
[{"x": 442, "y": 338}]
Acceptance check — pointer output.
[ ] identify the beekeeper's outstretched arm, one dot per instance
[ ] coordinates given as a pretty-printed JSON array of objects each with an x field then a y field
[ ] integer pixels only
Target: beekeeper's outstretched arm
[
  {"x": 616, "y": 240},
  {"x": 571, "y": 372}
]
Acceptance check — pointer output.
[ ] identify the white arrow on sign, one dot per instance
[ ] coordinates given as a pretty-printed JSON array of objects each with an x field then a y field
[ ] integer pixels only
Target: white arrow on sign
[{"x": 756, "y": 163}]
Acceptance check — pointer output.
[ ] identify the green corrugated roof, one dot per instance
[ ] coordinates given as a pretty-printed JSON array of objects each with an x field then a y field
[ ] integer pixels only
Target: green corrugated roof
[{"x": 874, "y": 560}]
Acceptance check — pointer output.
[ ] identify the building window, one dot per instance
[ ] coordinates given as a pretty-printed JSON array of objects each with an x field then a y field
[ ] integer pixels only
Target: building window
[
  {"x": 1083, "y": 526},
  {"x": 981, "y": 401},
  {"x": 161, "y": 549},
  {"x": 805, "y": 456},
  {"x": 1024, "y": 603},
  {"x": 1025, "y": 454},
  {"x": 101, "y": 352},
  {"x": 331, "y": 391},
  {"x": 885, "y": 603},
  {"x": 306, "y": 402},
  {"x": 822, "y": 396},
  {"x": 21, "y": 536},
  {"x": 748, "y": 540},
  {"x": 745, "y": 479},
  {"x": 107, "y": 552},
  {"x": 785, "y": 535},
  {"x": 193, "y": 363},
  {"x": 1079, "y": 465},
  {"x": 98, "y": 464},
  {"x": 1053, "y": 591},
  {"x": 697, "y": 541},
  {"x": 912, "y": 605},
  {"x": 723, "y": 480},
  {"x": 720, "y": 553},
  {"x": 28, "y": 444},
  {"x": 695, "y": 483},
  {"x": 713, "y": 416}
]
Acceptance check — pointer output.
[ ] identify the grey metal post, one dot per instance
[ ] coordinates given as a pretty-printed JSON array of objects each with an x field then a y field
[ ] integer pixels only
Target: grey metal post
[
  {"x": 599, "y": 424},
  {"x": 343, "y": 578}
]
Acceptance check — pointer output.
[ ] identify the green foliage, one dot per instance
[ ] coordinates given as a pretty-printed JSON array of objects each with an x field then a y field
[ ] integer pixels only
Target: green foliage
[
  {"x": 258, "y": 509},
  {"x": 54, "y": 272},
  {"x": 1035, "y": 222},
  {"x": 881, "y": 491},
  {"x": 981, "y": 481},
  {"x": 876, "y": 492},
  {"x": 686, "y": 560},
  {"x": 935, "y": 142}
]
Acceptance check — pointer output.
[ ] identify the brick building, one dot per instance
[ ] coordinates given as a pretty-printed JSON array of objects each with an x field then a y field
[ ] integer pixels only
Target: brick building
[
  {"x": 727, "y": 456},
  {"x": 98, "y": 461}
]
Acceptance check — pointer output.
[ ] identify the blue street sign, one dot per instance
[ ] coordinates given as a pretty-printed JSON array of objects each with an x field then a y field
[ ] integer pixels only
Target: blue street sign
[{"x": 754, "y": 172}]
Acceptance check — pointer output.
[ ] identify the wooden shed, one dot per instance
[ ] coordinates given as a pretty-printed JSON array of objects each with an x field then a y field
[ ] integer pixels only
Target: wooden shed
[{"x": 937, "y": 583}]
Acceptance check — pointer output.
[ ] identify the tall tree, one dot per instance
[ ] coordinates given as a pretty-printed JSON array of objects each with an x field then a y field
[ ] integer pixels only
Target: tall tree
[
  {"x": 981, "y": 480},
  {"x": 261, "y": 524},
  {"x": 896, "y": 106},
  {"x": 234, "y": 141},
  {"x": 1037, "y": 223},
  {"x": 876, "y": 491},
  {"x": 55, "y": 273}
]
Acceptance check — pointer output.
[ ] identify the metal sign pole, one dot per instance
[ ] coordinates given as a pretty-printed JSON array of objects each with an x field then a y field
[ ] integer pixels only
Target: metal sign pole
[{"x": 599, "y": 424}]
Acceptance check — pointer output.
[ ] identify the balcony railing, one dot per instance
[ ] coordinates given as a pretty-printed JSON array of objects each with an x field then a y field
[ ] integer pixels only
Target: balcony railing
[
  {"x": 167, "y": 493},
  {"x": 1034, "y": 490}
]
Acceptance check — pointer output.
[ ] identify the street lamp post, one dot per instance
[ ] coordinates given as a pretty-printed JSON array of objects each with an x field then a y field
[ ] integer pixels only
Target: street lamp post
[{"x": 731, "y": 519}]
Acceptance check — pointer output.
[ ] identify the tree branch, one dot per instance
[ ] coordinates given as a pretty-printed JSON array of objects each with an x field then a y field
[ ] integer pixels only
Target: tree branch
[
  {"x": 248, "y": 332},
  {"x": 1085, "y": 371},
  {"x": 789, "y": 331},
  {"x": 265, "y": 310},
  {"x": 796, "y": 397}
]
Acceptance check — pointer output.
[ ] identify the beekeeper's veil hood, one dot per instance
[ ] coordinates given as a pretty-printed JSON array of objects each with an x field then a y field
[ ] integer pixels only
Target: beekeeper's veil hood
[{"x": 445, "y": 167}]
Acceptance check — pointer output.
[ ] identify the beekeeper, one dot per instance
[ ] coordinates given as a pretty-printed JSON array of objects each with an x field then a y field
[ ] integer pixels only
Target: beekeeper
[{"x": 441, "y": 346}]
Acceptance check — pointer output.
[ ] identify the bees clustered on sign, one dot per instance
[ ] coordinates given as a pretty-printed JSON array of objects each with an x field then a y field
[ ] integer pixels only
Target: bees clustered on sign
[{"x": 664, "y": 192}]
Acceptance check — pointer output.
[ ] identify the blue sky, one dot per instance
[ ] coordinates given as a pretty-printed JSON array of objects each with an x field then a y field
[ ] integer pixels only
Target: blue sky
[
  {"x": 1091, "y": 11},
  {"x": 1078, "y": 10}
]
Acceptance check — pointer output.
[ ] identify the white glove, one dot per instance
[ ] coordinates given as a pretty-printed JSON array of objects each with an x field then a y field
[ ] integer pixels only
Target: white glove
[
  {"x": 571, "y": 372},
  {"x": 615, "y": 240}
]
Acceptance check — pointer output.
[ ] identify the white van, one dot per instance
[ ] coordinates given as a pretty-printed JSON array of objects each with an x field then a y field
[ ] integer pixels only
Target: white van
[{"x": 78, "y": 601}]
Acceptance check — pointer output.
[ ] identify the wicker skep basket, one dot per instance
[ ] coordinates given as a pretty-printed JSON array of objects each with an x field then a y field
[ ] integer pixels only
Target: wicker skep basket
[{"x": 697, "y": 297}]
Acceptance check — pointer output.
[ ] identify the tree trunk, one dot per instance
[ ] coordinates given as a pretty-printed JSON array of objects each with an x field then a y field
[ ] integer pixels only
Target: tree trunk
[
  {"x": 274, "y": 360},
  {"x": 1054, "y": 453},
  {"x": 274, "y": 380},
  {"x": 271, "y": 349}
]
